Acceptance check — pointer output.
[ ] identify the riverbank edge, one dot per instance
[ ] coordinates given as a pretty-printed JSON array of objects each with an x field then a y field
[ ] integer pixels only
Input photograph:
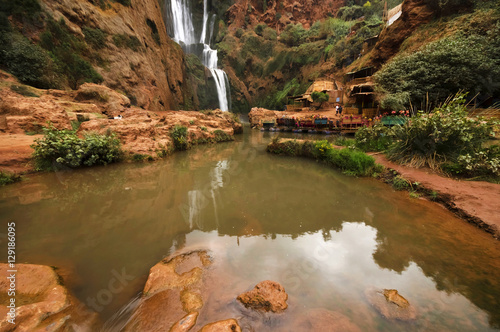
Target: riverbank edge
[
  {"x": 426, "y": 190},
  {"x": 27, "y": 167}
]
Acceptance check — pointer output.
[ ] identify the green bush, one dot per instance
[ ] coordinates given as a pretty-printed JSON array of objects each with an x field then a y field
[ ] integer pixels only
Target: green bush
[
  {"x": 452, "y": 64},
  {"x": 179, "y": 135},
  {"x": 482, "y": 163},
  {"x": 95, "y": 37},
  {"x": 25, "y": 60},
  {"x": 375, "y": 138},
  {"x": 293, "y": 35},
  {"x": 320, "y": 97},
  {"x": 259, "y": 28},
  {"x": 63, "y": 148},
  {"x": 124, "y": 40},
  {"x": 8, "y": 178},
  {"x": 269, "y": 34},
  {"x": 443, "y": 135}
]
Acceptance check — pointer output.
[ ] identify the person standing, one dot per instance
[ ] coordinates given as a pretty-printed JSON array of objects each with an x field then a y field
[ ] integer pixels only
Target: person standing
[{"x": 337, "y": 109}]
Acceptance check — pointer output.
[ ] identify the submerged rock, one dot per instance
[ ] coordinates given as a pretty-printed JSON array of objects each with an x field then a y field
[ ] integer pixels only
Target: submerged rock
[
  {"x": 390, "y": 304},
  {"x": 41, "y": 302},
  {"x": 266, "y": 296},
  {"x": 324, "y": 320},
  {"x": 228, "y": 325},
  {"x": 186, "y": 323}
]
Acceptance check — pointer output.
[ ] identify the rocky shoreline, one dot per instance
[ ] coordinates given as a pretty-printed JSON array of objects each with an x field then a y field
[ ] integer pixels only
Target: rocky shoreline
[{"x": 95, "y": 108}]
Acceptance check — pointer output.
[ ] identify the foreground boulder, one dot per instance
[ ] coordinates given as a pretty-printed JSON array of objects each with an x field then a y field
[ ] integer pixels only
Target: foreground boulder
[
  {"x": 42, "y": 303},
  {"x": 173, "y": 294},
  {"x": 266, "y": 296},
  {"x": 391, "y": 305}
]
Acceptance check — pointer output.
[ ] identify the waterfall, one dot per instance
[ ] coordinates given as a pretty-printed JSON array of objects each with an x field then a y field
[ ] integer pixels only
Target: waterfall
[{"x": 182, "y": 30}]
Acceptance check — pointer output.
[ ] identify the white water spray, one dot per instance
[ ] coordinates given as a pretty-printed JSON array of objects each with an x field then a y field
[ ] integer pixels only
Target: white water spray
[{"x": 183, "y": 32}]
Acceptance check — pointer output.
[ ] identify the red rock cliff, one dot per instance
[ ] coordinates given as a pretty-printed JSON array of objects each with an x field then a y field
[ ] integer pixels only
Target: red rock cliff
[{"x": 155, "y": 74}]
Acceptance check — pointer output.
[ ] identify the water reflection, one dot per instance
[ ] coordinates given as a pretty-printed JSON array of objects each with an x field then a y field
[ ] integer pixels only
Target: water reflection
[{"x": 266, "y": 217}]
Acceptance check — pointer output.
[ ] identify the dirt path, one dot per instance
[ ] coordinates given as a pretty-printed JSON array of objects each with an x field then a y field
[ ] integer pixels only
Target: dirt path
[{"x": 475, "y": 201}]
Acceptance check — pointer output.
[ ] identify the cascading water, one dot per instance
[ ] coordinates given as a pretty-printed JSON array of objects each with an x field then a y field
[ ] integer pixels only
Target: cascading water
[{"x": 182, "y": 30}]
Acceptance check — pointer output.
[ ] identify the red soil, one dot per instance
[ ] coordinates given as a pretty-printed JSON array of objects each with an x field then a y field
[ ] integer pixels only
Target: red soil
[{"x": 475, "y": 201}]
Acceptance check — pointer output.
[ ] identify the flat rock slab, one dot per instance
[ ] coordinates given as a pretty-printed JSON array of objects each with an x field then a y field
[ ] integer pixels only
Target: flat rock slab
[
  {"x": 42, "y": 303},
  {"x": 266, "y": 296}
]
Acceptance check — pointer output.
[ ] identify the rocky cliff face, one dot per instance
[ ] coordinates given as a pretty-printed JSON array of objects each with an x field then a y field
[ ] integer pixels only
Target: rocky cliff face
[
  {"x": 151, "y": 71},
  {"x": 278, "y": 14}
]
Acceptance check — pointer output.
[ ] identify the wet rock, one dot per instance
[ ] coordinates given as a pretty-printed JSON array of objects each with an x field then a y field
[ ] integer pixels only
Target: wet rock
[
  {"x": 186, "y": 323},
  {"x": 42, "y": 303},
  {"x": 266, "y": 296},
  {"x": 176, "y": 283},
  {"x": 390, "y": 304},
  {"x": 228, "y": 325},
  {"x": 323, "y": 320}
]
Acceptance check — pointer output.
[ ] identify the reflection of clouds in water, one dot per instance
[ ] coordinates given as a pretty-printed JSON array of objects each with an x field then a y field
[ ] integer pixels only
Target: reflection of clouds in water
[
  {"x": 198, "y": 199},
  {"x": 335, "y": 274}
]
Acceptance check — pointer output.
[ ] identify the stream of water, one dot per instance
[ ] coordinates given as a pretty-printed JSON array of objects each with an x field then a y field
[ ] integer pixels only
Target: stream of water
[
  {"x": 326, "y": 237},
  {"x": 183, "y": 31}
]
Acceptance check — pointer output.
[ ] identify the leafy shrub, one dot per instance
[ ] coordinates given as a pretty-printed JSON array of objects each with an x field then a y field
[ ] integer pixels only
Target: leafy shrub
[
  {"x": 333, "y": 27},
  {"x": 445, "y": 134},
  {"x": 239, "y": 33},
  {"x": 320, "y": 97},
  {"x": 259, "y": 28},
  {"x": 124, "y": 40},
  {"x": 349, "y": 13},
  {"x": 400, "y": 183},
  {"x": 8, "y": 178},
  {"x": 179, "y": 135},
  {"x": 63, "y": 148},
  {"x": 269, "y": 34},
  {"x": 452, "y": 64},
  {"x": 485, "y": 163},
  {"x": 322, "y": 149},
  {"x": 293, "y": 35},
  {"x": 375, "y": 138},
  {"x": 25, "y": 60},
  {"x": 95, "y": 37}
]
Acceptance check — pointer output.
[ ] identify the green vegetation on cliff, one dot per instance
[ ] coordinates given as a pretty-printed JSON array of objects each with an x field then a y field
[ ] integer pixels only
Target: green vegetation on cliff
[
  {"x": 43, "y": 52},
  {"x": 267, "y": 63},
  {"x": 466, "y": 57}
]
